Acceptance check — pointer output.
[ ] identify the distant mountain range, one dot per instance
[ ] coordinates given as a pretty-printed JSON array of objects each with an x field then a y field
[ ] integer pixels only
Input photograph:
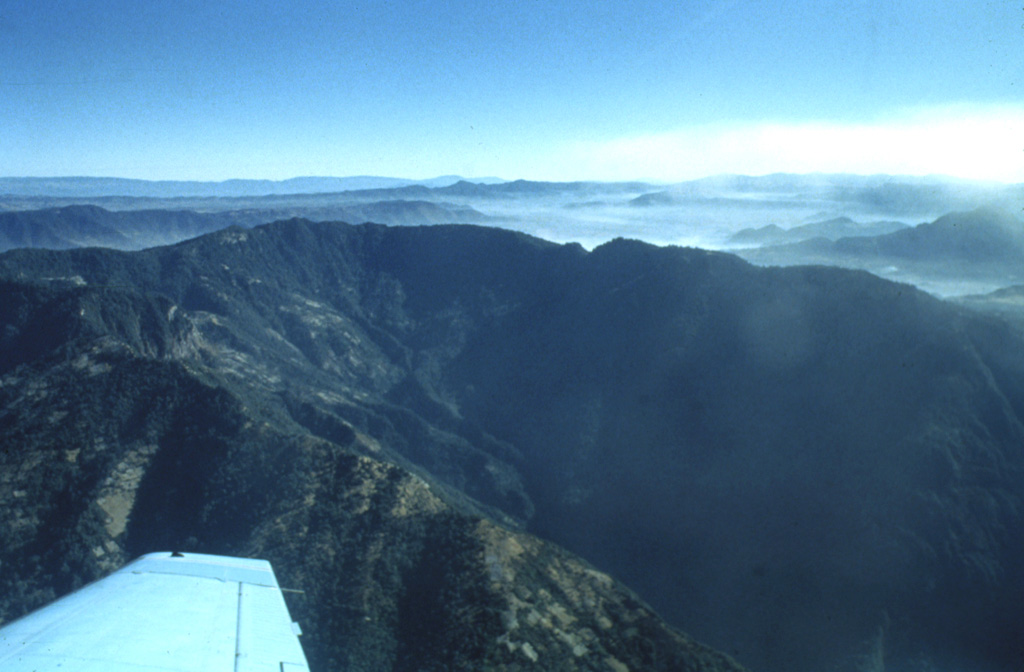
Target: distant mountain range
[
  {"x": 898, "y": 195},
  {"x": 92, "y": 226},
  {"x": 89, "y": 187},
  {"x": 959, "y": 253},
  {"x": 807, "y": 468},
  {"x": 1006, "y": 303},
  {"x": 983, "y": 245},
  {"x": 704, "y": 212},
  {"x": 832, "y": 229},
  {"x": 894, "y": 195}
]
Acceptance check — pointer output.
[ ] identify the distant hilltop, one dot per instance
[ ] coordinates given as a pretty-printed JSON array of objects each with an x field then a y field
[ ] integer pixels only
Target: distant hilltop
[{"x": 89, "y": 187}]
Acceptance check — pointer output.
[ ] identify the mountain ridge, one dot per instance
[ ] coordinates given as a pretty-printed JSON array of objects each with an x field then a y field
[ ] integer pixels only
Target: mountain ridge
[
  {"x": 90, "y": 225},
  {"x": 983, "y": 245},
  {"x": 119, "y": 186},
  {"x": 832, "y": 229}
]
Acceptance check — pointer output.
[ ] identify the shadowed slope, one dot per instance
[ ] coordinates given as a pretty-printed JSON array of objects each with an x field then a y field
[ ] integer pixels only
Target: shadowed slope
[{"x": 807, "y": 467}]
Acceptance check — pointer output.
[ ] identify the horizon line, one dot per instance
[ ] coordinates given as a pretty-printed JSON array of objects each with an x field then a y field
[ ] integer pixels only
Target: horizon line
[{"x": 490, "y": 179}]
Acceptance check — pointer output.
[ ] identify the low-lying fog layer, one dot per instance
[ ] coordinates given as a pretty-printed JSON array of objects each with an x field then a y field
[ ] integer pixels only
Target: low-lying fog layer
[{"x": 771, "y": 220}]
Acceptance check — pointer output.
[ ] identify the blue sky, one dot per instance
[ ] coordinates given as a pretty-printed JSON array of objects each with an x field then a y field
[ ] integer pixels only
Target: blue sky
[{"x": 541, "y": 90}]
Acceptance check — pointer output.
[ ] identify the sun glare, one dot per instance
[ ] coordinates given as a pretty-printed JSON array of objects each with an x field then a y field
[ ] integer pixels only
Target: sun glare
[{"x": 965, "y": 142}]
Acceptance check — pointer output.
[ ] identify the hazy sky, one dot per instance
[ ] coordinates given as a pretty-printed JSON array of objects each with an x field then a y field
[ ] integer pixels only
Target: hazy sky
[{"x": 554, "y": 89}]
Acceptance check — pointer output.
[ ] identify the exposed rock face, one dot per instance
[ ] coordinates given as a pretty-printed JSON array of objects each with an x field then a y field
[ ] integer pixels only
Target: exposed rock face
[{"x": 808, "y": 468}]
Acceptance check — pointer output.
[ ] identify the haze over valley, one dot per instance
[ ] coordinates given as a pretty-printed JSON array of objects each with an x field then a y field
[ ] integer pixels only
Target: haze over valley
[{"x": 773, "y": 219}]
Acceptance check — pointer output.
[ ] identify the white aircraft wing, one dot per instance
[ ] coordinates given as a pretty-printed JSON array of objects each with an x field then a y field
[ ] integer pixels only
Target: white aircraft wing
[{"x": 162, "y": 613}]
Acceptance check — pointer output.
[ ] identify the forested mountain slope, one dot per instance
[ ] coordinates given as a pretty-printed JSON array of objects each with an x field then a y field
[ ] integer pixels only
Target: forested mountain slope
[{"x": 808, "y": 468}]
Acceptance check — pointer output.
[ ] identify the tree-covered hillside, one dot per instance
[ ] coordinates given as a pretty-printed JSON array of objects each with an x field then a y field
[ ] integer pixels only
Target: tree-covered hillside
[{"x": 807, "y": 468}]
